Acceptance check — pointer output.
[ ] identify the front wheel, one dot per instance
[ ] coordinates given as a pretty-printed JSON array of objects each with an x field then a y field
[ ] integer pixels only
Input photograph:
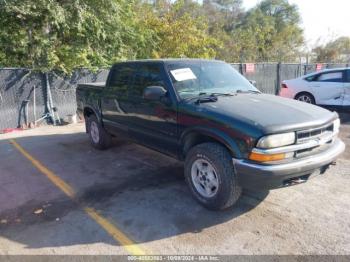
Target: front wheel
[
  {"x": 99, "y": 138},
  {"x": 210, "y": 175}
]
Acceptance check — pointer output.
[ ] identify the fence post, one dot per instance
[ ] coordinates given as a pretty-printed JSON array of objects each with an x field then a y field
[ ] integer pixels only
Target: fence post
[
  {"x": 305, "y": 67},
  {"x": 49, "y": 102},
  {"x": 278, "y": 82},
  {"x": 241, "y": 69}
]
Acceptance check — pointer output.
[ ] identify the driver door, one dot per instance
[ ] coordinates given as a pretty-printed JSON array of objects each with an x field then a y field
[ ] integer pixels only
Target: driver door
[{"x": 152, "y": 123}]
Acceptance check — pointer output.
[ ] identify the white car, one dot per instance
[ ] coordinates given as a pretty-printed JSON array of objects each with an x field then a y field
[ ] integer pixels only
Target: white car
[{"x": 329, "y": 87}]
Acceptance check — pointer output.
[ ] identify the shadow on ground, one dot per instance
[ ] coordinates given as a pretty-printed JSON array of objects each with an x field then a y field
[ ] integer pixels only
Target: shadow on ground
[{"x": 142, "y": 192}]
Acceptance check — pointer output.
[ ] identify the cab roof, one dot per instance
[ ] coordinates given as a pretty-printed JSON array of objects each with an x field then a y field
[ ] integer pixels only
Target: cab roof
[
  {"x": 171, "y": 60},
  {"x": 327, "y": 70}
]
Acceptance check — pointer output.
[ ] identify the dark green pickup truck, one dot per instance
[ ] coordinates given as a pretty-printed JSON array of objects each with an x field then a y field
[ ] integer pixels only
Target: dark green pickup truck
[{"x": 204, "y": 113}]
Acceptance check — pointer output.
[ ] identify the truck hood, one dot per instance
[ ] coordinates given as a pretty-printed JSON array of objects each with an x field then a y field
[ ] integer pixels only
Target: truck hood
[{"x": 268, "y": 113}]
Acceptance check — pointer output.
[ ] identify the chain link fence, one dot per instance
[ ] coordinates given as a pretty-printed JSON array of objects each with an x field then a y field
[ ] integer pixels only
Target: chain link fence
[
  {"x": 23, "y": 95},
  {"x": 22, "y": 90}
]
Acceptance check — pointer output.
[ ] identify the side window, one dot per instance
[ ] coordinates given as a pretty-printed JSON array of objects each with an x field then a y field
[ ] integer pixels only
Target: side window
[
  {"x": 120, "y": 78},
  {"x": 330, "y": 77},
  {"x": 146, "y": 75}
]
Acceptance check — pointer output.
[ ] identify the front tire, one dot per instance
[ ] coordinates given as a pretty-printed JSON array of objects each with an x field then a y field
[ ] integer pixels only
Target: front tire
[
  {"x": 211, "y": 177},
  {"x": 99, "y": 138}
]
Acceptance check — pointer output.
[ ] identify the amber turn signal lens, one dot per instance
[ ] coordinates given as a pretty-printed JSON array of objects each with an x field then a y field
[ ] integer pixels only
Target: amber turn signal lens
[{"x": 265, "y": 158}]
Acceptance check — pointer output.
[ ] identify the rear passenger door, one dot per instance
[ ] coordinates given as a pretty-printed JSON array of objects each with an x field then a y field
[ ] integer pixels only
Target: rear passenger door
[
  {"x": 328, "y": 88},
  {"x": 152, "y": 123},
  {"x": 346, "y": 100},
  {"x": 114, "y": 103}
]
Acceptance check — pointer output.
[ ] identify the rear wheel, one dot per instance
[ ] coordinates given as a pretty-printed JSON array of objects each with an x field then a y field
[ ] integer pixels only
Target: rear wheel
[
  {"x": 99, "y": 138},
  {"x": 210, "y": 175},
  {"x": 305, "y": 97}
]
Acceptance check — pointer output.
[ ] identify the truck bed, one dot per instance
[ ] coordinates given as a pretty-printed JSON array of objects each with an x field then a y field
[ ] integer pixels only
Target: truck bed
[{"x": 89, "y": 94}]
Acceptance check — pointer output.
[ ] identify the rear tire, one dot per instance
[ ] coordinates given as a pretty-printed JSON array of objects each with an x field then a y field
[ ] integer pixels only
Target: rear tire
[
  {"x": 211, "y": 177},
  {"x": 99, "y": 138},
  {"x": 305, "y": 97}
]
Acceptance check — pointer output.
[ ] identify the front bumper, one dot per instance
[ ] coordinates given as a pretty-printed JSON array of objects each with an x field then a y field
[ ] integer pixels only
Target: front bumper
[{"x": 260, "y": 176}]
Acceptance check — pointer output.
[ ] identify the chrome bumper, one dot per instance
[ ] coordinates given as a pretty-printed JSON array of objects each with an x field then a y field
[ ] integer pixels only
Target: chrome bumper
[{"x": 272, "y": 175}]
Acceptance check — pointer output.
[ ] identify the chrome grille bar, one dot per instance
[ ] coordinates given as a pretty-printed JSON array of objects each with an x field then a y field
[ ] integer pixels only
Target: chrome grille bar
[{"x": 310, "y": 134}]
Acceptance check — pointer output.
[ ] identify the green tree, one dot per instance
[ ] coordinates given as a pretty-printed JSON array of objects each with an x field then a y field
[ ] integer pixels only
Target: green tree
[
  {"x": 176, "y": 33},
  {"x": 274, "y": 33},
  {"x": 63, "y": 35},
  {"x": 223, "y": 14},
  {"x": 336, "y": 51}
]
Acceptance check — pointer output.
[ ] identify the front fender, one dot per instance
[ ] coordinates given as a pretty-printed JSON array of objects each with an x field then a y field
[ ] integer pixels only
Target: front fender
[{"x": 230, "y": 142}]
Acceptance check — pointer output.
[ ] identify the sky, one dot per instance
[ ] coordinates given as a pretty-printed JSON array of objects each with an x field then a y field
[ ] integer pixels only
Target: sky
[{"x": 322, "y": 20}]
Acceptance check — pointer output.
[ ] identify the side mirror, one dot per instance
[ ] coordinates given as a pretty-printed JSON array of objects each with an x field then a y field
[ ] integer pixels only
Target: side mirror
[
  {"x": 253, "y": 82},
  {"x": 154, "y": 93}
]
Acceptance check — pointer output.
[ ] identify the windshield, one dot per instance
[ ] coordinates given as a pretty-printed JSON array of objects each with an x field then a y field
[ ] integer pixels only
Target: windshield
[{"x": 194, "y": 78}]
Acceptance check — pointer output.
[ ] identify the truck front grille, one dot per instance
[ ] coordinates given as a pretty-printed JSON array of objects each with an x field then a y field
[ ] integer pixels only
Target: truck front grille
[
  {"x": 320, "y": 133},
  {"x": 315, "y": 133}
]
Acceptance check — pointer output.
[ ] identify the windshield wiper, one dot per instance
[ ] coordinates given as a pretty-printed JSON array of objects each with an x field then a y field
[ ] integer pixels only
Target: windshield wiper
[
  {"x": 222, "y": 94},
  {"x": 204, "y": 97},
  {"x": 248, "y": 91},
  {"x": 208, "y": 97}
]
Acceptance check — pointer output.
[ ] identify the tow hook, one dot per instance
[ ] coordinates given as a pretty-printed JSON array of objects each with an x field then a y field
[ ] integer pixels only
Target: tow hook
[{"x": 295, "y": 181}]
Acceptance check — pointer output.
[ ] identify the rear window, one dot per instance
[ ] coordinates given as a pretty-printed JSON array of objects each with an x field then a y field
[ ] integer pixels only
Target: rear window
[{"x": 120, "y": 78}]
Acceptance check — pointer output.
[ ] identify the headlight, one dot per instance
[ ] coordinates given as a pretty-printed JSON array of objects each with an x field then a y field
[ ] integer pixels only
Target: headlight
[
  {"x": 336, "y": 126},
  {"x": 276, "y": 140}
]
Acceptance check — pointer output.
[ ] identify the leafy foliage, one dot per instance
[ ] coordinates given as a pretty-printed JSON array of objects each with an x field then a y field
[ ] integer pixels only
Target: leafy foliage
[
  {"x": 273, "y": 27},
  {"x": 66, "y": 34},
  {"x": 337, "y": 51},
  {"x": 53, "y": 34},
  {"x": 178, "y": 34}
]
